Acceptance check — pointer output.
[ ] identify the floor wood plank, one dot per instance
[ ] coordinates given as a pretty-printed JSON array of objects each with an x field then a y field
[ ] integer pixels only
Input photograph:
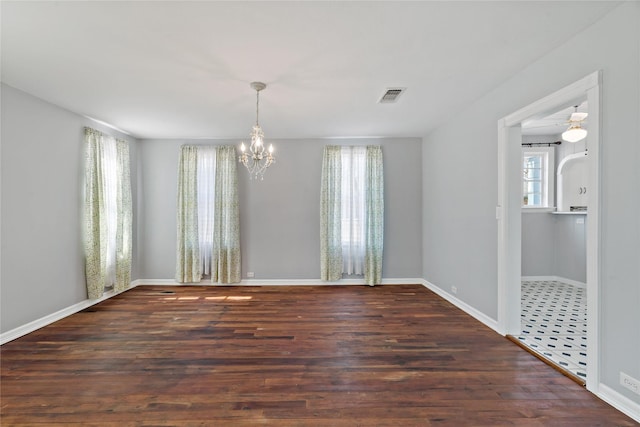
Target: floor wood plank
[{"x": 283, "y": 356}]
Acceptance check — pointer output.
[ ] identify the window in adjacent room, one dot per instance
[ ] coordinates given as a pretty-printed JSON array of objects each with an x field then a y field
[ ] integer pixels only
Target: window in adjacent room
[{"x": 538, "y": 177}]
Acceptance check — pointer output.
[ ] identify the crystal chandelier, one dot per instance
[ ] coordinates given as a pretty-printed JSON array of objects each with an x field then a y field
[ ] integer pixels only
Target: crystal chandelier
[{"x": 257, "y": 159}]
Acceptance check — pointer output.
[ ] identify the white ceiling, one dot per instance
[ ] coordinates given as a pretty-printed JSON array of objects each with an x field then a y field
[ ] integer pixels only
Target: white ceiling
[{"x": 182, "y": 69}]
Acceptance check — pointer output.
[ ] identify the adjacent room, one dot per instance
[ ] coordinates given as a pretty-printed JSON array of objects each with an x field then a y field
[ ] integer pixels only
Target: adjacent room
[
  {"x": 554, "y": 255},
  {"x": 320, "y": 213}
]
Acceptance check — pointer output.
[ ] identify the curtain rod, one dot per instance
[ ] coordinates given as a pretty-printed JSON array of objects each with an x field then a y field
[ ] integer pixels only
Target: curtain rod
[{"x": 548, "y": 144}]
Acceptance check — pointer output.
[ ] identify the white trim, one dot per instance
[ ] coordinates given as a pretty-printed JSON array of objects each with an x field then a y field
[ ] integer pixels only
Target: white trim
[
  {"x": 619, "y": 401},
  {"x": 510, "y": 218},
  {"x": 509, "y": 222},
  {"x": 565, "y": 97},
  {"x": 12, "y": 334},
  {"x": 160, "y": 282},
  {"x": 594, "y": 228},
  {"x": 555, "y": 279},
  {"x": 478, "y": 315}
]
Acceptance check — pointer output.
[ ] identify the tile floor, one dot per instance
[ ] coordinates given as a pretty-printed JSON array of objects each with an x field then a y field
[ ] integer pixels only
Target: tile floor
[{"x": 554, "y": 323}]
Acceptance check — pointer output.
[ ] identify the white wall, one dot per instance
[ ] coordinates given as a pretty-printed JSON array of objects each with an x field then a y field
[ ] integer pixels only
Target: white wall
[
  {"x": 280, "y": 216},
  {"x": 460, "y": 184},
  {"x": 554, "y": 245},
  {"x": 42, "y": 169},
  {"x": 538, "y": 244}
]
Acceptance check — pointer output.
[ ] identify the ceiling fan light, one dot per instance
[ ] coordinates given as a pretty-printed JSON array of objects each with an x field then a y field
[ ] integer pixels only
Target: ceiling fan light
[{"x": 574, "y": 134}]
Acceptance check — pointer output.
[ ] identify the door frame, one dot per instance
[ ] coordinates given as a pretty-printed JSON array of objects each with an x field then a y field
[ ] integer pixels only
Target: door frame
[{"x": 508, "y": 211}]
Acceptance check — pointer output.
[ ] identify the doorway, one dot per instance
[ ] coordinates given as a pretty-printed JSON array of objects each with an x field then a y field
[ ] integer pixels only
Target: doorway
[
  {"x": 554, "y": 218},
  {"x": 508, "y": 211}
]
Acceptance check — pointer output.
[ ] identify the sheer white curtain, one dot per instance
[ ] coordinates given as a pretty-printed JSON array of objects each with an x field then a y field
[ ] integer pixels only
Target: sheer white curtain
[
  {"x": 206, "y": 180},
  {"x": 107, "y": 213},
  {"x": 354, "y": 162},
  {"x": 109, "y": 163}
]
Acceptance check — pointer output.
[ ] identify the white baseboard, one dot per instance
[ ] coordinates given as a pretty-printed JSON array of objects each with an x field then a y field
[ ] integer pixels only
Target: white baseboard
[
  {"x": 555, "y": 279},
  {"x": 54, "y": 317},
  {"x": 483, "y": 318},
  {"x": 160, "y": 282},
  {"x": 619, "y": 401}
]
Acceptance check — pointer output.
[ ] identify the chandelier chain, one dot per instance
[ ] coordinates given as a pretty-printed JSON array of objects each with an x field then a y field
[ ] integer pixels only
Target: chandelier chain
[{"x": 257, "y": 106}]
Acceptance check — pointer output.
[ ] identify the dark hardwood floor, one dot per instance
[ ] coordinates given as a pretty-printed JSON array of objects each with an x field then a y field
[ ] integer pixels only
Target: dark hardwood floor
[{"x": 284, "y": 356}]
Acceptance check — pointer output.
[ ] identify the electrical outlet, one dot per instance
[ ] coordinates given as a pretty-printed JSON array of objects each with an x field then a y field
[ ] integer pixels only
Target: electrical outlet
[
  {"x": 630, "y": 382},
  {"x": 251, "y": 274},
  {"x": 454, "y": 290}
]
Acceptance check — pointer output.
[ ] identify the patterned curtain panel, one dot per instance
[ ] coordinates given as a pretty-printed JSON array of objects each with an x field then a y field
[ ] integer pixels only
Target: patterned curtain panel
[
  {"x": 225, "y": 264},
  {"x": 330, "y": 215},
  {"x": 108, "y": 213},
  {"x": 374, "y": 208},
  {"x": 124, "y": 229},
  {"x": 188, "y": 263}
]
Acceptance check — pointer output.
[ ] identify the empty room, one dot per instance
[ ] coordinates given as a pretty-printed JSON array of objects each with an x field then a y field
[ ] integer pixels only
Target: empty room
[{"x": 320, "y": 213}]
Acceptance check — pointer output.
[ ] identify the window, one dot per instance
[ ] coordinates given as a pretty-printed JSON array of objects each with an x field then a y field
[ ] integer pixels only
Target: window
[
  {"x": 538, "y": 166},
  {"x": 108, "y": 213},
  {"x": 208, "y": 240},
  {"x": 352, "y": 213}
]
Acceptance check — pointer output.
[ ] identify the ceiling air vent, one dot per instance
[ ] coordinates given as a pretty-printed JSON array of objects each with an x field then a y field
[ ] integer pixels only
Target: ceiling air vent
[{"x": 391, "y": 95}]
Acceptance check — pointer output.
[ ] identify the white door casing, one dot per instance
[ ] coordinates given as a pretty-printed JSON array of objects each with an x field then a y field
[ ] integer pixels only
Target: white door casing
[{"x": 508, "y": 212}]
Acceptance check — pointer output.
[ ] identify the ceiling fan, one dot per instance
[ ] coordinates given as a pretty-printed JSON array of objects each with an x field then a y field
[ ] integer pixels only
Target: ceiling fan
[
  {"x": 575, "y": 132},
  {"x": 556, "y": 123}
]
